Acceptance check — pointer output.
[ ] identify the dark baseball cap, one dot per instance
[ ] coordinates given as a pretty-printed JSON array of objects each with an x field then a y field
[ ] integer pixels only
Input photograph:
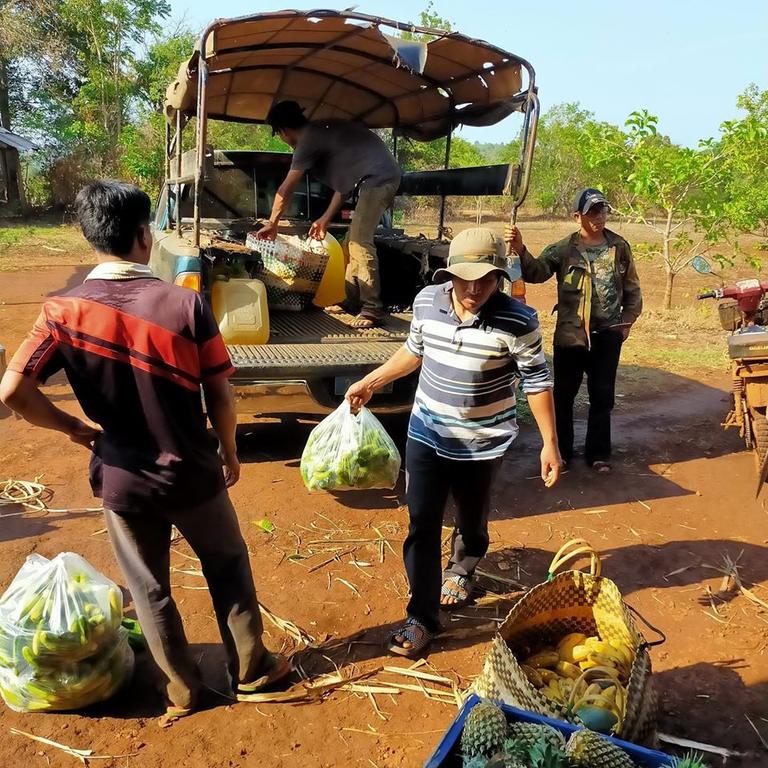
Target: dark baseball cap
[
  {"x": 588, "y": 197},
  {"x": 285, "y": 114}
]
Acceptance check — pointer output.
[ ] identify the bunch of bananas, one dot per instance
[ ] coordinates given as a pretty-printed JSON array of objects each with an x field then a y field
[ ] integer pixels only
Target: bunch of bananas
[{"x": 586, "y": 674}]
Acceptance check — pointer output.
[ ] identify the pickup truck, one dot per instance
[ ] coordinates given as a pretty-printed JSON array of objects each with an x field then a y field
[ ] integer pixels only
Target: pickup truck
[{"x": 212, "y": 199}]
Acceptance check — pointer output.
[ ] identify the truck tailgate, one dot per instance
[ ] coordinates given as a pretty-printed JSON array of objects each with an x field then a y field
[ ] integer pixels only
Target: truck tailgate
[
  {"x": 319, "y": 360},
  {"x": 312, "y": 344}
]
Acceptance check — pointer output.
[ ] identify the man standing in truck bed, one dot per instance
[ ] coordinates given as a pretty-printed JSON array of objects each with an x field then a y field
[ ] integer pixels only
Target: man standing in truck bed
[{"x": 343, "y": 156}]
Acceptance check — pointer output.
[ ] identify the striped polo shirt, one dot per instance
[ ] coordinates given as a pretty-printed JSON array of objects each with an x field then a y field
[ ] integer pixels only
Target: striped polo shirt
[
  {"x": 465, "y": 402},
  {"x": 136, "y": 350}
]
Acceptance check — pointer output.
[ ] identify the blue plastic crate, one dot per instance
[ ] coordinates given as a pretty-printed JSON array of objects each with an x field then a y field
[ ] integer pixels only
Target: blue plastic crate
[{"x": 448, "y": 753}]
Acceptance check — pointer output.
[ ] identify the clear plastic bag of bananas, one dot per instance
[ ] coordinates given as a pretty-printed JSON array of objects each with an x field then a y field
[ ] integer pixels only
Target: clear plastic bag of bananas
[{"x": 62, "y": 645}]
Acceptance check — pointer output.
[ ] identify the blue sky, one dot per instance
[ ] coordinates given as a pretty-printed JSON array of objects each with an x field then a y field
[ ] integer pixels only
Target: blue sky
[{"x": 684, "y": 60}]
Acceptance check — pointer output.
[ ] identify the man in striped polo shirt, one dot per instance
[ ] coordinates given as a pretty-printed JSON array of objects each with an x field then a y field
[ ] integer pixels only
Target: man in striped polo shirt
[
  {"x": 137, "y": 352},
  {"x": 471, "y": 342}
]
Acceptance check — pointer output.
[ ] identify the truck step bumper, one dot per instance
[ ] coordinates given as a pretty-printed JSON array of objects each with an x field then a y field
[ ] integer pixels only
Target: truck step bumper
[{"x": 308, "y": 361}]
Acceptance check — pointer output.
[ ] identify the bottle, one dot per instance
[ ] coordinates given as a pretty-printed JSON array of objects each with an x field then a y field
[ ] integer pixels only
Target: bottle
[{"x": 517, "y": 284}]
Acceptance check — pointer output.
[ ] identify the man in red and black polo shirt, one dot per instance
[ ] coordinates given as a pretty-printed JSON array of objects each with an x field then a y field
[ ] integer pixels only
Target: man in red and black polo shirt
[{"x": 136, "y": 351}]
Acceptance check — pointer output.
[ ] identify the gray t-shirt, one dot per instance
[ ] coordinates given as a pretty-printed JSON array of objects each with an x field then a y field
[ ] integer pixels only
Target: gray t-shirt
[
  {"x": 343, "y": 154},
  {"x": 606, "y": 292}
]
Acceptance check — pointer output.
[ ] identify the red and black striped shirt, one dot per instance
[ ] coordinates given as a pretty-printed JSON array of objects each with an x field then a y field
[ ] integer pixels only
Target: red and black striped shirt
[{"x": 135, "y": 352}]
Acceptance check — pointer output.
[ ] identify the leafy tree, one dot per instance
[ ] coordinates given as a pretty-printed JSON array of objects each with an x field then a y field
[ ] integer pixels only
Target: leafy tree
[
  {"x": 109, "y": 32},
  {"x": 677, "y": 192},
  {"x": 744, "y": 145},
  {"x": 36, "y": 55}
]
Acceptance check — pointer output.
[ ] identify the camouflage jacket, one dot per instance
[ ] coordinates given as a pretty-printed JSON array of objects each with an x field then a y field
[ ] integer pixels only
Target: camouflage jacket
[{"x": 575, "y": 285}]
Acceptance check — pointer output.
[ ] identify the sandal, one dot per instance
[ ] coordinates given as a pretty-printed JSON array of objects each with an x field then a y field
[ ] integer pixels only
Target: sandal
[
  {"x": 413, "y": 632},
  {"x": 336, "y": 309},
  {"x": 364, "y": 322},
  {"x": 172, "y": 714},
  {"x": 278, "y": 668},
  {"x": 602, "y": 467},
  {"x": 458, "y": 587}
]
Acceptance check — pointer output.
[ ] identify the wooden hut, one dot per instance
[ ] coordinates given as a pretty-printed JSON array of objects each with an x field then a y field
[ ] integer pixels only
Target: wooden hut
[{"x": 12, "y": 199}]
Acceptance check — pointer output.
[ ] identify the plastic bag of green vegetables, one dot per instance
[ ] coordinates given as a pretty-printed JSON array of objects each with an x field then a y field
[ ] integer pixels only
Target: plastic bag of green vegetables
[
  {"x": 349, "y": 451},
  {"x": 62, "y": 645}
]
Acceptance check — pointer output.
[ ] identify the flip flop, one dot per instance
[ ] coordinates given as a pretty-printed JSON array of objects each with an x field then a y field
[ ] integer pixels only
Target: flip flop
[
  {"x": 364, "y": 322},
  {"x": 172, "y": 714},
  {"x": 455, "y": 585},
  {"x": 279, "y": 668},
  {"x": 414, "y": 632},
  {"x": 602, "y": 467},
  {"x": 336, "y": 309}
]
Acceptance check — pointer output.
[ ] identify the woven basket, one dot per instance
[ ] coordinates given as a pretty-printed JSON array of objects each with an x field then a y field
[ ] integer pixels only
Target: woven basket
[
  {"x": 291, "y": 269},
  {"x": 572, "y": 601}
]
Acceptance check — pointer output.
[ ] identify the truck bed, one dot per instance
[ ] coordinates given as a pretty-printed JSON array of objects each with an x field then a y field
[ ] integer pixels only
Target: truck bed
[{"x": 314, "y": 344}]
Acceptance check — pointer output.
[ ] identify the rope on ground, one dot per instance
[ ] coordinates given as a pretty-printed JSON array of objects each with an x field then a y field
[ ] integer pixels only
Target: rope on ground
[
  {"x": 28, "y": 493},
  {"x": 33, "y": 495}
]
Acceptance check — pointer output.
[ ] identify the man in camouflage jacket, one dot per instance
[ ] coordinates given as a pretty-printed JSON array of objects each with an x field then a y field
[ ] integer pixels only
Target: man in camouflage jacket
[{"x": 598, "y": 301}]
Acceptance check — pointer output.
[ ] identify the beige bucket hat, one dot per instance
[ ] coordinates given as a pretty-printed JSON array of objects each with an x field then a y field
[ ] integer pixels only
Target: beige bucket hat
[{"x": 472, "y": 255}]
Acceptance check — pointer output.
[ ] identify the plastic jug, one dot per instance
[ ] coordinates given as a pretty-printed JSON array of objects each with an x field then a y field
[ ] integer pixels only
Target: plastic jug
[
  {"x": 331, "y": 288},
  {"x": 240, "y": 308}
]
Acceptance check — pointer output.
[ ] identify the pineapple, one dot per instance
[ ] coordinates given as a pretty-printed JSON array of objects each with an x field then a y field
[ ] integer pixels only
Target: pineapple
[
  {"x": 484, "y": 730},
  {"x": 588, "y": 749},
  {"x": 478, "y": 761},
  {"x": 525, "y": 735}
]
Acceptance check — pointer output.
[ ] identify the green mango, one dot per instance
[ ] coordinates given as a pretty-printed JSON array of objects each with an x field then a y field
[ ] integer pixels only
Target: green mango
[
  {"x": 37, "y": 642},
  {"x": 29, "y": 657},
  {"x": 115, "y": 603},
  {"x": 36, "y": 611}
]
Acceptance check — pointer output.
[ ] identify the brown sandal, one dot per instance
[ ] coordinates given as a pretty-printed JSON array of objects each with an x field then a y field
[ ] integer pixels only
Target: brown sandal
[
  {"x": 364, "y": 322},
  {"x": 279, "y": 668},
  {"x": 172, "y": 714}
]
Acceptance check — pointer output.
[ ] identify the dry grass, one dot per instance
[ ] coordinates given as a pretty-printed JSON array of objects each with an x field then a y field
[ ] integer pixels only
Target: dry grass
[{"x": 43, "y": 244}]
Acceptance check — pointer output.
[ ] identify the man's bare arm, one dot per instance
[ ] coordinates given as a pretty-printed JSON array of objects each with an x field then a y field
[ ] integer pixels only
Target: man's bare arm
[
  {"x": 220, "y": 405},
  {"x": 21, "y": 394}
]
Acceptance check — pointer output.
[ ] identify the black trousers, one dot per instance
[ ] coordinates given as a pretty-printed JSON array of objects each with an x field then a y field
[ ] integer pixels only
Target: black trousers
[
  {"x": 429, "y": 480},
  {"x": 600, "y": 364}
]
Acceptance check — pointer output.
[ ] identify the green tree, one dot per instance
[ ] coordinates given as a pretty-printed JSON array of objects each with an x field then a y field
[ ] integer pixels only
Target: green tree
[
  {"x": 76, "y": 80},
  {"x": 744, "y": 144},
  {"x": 109, "y": 32},
  {"x": 677, "y": 192},
  {"x": 36, "y": 55}
]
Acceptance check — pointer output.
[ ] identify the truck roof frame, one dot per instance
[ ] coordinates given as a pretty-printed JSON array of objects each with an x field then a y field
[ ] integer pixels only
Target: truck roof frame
[{"x": 340, "y": 65}]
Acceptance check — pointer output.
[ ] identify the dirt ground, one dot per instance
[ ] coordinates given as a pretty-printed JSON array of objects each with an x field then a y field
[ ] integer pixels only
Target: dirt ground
[{"x": 680, "y": 500}]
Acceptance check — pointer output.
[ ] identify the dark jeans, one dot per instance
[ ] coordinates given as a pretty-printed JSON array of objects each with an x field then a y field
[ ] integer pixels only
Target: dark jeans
[
  {"x": 141, "y": 540},
  {"x": 429, "y": 479},
  {"x": 600, "y": 364}
]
